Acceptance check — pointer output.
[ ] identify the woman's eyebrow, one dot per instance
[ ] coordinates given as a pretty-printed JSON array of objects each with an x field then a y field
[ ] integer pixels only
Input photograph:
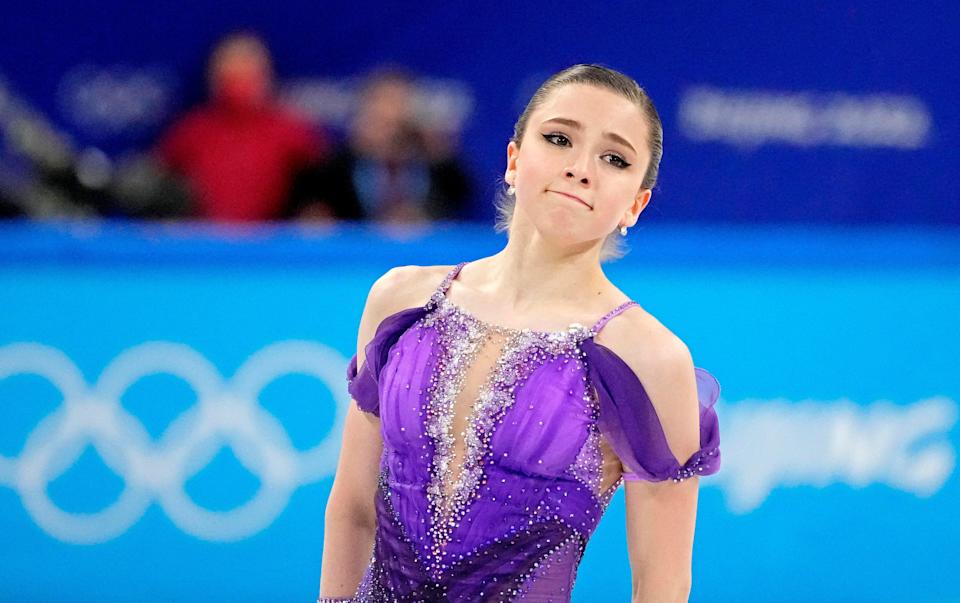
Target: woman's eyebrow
[{"x": 576, "y": 126}]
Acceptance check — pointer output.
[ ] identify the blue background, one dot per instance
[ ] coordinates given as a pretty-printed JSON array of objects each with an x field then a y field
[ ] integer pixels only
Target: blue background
[
  {"x": 803, "y": 317},
  {"x": 819, "y": 281},
  {"x": 501, "y": 51}
]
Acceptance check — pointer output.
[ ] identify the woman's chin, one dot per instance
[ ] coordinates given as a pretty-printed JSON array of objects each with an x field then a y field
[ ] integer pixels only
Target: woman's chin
[{"x": 565, "y": 235}]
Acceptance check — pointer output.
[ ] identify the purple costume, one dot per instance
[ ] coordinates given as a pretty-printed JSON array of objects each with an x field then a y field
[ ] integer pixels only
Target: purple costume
[{"x": 504, "y": 512}]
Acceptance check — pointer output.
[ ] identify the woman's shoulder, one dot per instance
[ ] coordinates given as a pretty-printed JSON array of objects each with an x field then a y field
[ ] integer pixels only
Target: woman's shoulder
[
  {"x": 660, "y": 359},
  {"x": 403, "y": 287},
  {"x": 664, "y": 367},
  {"x": 637, "y": 332},
  {"x": 645, "y": 344}
]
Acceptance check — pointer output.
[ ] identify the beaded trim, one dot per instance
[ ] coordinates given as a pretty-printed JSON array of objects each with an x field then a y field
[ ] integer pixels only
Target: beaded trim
[
  {"x": 461, "y": 337},
  {"x": 527, "y": 580},
  {"x": 596, "y": 328},
  {"x": 587, "y": 465},
  {"x": 334, "y": 599},
  {"x": 574, "y": 331},
  {"x": 445, "y": 384},
  {"x": 694, "y": 466},
  {"x": 373, "y": 584},
  {"x": 440, "y": 292},
  {"x": 439, "y": 298}
]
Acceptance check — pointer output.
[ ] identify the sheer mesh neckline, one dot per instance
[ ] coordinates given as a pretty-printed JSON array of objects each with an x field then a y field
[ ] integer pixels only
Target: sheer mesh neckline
[{"x": 573, "y": 329}]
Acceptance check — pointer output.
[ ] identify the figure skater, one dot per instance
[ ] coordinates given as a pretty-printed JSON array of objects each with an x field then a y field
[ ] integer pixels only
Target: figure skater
[{"x": 500, "y": 403}]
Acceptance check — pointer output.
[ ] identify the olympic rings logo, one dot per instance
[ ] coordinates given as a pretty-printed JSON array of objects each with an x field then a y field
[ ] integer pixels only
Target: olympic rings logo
[{"x": 226, "y": 413}]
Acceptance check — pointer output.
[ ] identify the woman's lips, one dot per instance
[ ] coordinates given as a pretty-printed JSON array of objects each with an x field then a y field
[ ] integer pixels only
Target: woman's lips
[{"x": 574, "y": 197}]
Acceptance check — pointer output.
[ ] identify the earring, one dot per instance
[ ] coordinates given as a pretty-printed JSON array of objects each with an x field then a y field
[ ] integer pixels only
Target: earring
[
  {"x": 511, "y": 190},
  {"x": 623, "y": 230}
]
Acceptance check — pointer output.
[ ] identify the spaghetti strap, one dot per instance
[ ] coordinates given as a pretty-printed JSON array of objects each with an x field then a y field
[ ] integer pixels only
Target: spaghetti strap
[
  {"x": 441, "y": 290},
  {"x": 611, "y": 314}
]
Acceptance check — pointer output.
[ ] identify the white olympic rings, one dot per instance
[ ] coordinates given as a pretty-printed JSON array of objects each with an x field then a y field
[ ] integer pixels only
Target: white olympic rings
[{"x": 225, "y": 414}]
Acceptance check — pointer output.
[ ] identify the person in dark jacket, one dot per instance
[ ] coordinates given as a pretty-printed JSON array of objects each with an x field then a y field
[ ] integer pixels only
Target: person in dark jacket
[{"x": 391, "y": 168}]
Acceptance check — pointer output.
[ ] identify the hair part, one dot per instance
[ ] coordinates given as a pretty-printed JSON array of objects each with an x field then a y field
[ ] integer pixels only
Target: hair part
[{"x": 608, "y": 79}]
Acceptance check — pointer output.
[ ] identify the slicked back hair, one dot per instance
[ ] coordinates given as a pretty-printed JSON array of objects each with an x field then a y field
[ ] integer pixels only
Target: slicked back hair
[{"x": 607, "y": 79}]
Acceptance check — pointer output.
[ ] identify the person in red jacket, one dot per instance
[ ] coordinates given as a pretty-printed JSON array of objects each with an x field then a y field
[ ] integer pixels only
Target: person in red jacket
[{"x": 240, "y": 151}]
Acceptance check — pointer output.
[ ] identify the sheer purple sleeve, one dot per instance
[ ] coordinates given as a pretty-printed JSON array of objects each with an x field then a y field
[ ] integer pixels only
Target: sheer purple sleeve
[
  {"x": 629, "y": 421},
  {"x": 363, "y": 383}
]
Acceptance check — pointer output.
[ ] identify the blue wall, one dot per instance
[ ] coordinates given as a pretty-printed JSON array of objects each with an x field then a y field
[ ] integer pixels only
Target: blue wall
[
  {"x": 840, "y": 112},
  {"x": 171, "y": 403}
]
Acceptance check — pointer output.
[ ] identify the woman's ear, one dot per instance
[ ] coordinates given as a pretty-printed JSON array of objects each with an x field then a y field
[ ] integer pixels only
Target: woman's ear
[
  {"x": 511, "y": 172},
  {"x": 636, "y": 208}
]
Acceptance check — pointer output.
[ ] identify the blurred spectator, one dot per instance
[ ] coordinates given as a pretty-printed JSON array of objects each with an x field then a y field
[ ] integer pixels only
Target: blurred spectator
[
  {"x": 392, "y": 168},
  {"x": 240, "y": 151}
]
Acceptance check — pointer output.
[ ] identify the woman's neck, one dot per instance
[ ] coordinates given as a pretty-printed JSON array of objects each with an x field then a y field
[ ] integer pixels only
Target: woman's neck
[{"x": 524, "y": 280}]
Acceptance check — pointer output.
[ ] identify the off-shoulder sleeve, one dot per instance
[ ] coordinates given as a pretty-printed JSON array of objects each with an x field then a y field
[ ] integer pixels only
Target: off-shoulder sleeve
[
  {"x": 630, "y": 423},
  {"x": 363, "y": 383}
]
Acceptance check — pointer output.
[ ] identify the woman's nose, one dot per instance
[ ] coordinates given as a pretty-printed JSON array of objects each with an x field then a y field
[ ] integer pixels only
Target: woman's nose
[{"x": 580, "y": 169}]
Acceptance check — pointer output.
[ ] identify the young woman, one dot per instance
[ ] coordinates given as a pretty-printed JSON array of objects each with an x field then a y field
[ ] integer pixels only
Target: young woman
[{"x": 500, "y": 403}]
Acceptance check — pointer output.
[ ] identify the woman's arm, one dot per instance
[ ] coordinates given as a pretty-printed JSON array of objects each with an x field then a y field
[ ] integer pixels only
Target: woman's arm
[
  {"x": 661, "y": 516},
  {"x": 350, "y": 519},
  {"x": 350, "y": 522},
  {"x": 660, "y": 523}
]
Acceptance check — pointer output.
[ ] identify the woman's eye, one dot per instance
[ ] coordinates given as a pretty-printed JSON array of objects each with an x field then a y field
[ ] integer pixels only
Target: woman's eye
[
  {"x": 557, "y": 139},
  {"x": 617, "y": 161}
]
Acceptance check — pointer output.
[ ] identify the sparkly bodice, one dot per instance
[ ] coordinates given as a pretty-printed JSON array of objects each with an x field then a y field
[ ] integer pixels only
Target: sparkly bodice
[{"x": 497, "y": 461}]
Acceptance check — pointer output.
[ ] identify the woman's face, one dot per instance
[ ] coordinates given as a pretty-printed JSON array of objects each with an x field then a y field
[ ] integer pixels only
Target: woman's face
[{"x": 580, "y": 164}]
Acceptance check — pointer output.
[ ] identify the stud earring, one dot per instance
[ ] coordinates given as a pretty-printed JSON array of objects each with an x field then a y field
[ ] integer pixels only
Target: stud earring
[
  {"x": 623, "y": 230},
  {"x": 511, "y": 190}
]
